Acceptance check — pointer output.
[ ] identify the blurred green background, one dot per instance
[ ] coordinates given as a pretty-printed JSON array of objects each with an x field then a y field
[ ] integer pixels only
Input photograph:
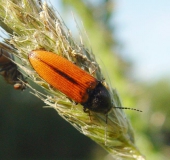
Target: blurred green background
[{"x": 28, "y": 131}]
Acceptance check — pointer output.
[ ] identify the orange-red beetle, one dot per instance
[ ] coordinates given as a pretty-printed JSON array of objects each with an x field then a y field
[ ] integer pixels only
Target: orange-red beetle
[
  {"x": 71, "y": 80},
  {"x": 9, "y": 70}
]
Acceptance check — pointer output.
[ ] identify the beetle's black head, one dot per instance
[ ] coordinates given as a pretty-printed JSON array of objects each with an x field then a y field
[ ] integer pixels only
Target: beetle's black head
[{"x": 99, "y": 100}]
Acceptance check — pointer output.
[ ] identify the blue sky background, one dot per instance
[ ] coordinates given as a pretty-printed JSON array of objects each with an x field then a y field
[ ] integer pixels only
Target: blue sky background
[{"x": 143, "y": 27}]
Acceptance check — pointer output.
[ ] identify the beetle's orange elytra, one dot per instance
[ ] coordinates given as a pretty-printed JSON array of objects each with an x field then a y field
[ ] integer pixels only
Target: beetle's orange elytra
[{"x": 63, "y": 75}]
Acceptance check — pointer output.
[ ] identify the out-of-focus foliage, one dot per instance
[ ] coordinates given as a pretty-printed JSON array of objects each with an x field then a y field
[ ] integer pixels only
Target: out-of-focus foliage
[
  {"x": 158, "y": 127},
  {"x": 27, "y": 131}
]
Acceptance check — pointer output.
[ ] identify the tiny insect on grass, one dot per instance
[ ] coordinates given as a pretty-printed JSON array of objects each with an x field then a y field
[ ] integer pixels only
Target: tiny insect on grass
[
  {"x": 71, "y": 80},
  {"x": 9, "y": 70}
]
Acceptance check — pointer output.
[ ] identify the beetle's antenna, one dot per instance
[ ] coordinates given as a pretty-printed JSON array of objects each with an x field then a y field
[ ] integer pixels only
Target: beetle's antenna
[{"x": 128, "y": 108}]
